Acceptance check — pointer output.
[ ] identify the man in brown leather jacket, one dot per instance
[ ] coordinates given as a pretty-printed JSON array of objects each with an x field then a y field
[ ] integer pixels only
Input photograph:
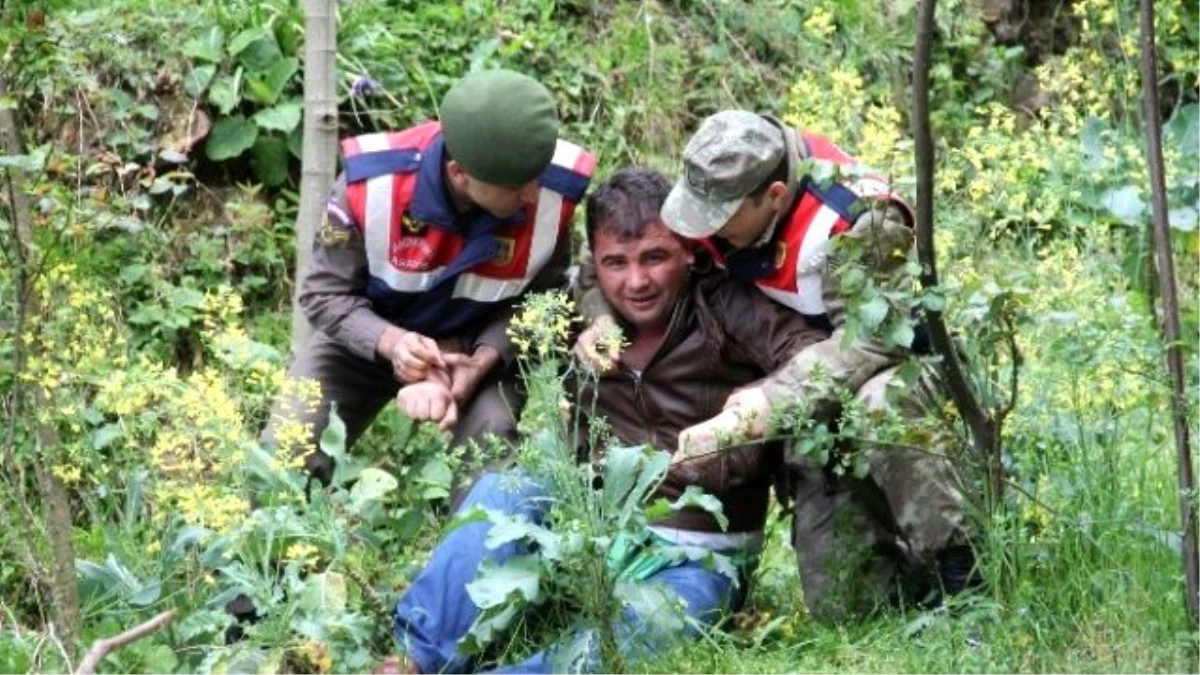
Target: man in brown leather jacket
[{"x": 693, "y": 339}]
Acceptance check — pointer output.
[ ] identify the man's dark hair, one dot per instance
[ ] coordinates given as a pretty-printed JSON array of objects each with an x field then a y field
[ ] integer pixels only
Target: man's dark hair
[{"x": 626, "y": 203}]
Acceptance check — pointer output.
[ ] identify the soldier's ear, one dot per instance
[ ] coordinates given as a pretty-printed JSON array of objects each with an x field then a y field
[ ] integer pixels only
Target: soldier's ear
[
  {"x": 457, "y": 175},
  {"x": 776, "y": 192}
]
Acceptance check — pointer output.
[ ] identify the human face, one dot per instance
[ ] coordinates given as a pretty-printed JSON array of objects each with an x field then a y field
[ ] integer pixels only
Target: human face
[
  {"x": 753, "y": 217},
  {"x": 501, "y": 201},
  {"x": 641, "y": 278}
]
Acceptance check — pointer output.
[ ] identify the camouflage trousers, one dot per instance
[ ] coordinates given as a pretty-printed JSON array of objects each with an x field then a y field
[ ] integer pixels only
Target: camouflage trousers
[{"x": 863, "y": 542}]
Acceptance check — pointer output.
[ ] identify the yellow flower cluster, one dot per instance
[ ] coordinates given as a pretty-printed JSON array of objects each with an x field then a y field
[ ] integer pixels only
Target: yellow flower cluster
[
  {"x": 542, "y": 328},
  {"x": 837, "y": 104},
  {"x": 820, "y": 22},
  {"x": 304, "y": 554}
]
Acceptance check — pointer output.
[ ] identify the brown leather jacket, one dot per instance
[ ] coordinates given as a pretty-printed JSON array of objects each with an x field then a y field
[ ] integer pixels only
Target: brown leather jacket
[{"x": 723, "y": 336}]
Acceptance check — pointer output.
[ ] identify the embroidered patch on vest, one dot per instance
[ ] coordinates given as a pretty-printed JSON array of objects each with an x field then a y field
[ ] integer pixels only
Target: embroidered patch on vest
[
  {"x": 411, "y": 225},
  {"x": 504, "y": 254}
]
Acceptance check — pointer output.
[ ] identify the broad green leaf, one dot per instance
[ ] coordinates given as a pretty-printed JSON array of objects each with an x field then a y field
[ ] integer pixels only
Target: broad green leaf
[
  {"x": 198, "y": 80},
  {"x": 900, "y": 334},
  {"x": 333, "y": 438},
  {"x": 934, "y": 301},
  {"x": 269, "y": 159},
  {"x": 1091, "y": 142},
  {"x": 207, "y": 47},
  {"x": 258, "y": 56},
  {"x": 1184, "y": 218},
  {"x": 230, "y": 137},
  {"x": 874, "y": 311},
  {"x": 694, "y": 497},
  {"x": 517, "y": 579},
  {"x": 283, "y": 117},
  {"x": 266, "y": 87},
  {"x": 30, "y": 162},
  {"x": 630, "y": 475},
  {"x": 852, "y": 280},
  {"x": 435, "y": 477},
  {"x": 1125, "y": 204},
  {"x": 295, "y": 142},
  {"x": 620, "y": 473},
  {"x": 246, "y": 38},
  {"x": 105, "y": 435},
  {"x": 507, "y": 529},
  {"x": 324, "y": 592},
  {"x": 581, "y": 652},
  {"x": 482, "y": 53},
  {"x": 159, "y": 658},
  {"x": 486, "y": 628},
  {"x": 225, "y": 92},
  {"x": 371, "y": 486},
  {"x": 1182, "y": 131}
]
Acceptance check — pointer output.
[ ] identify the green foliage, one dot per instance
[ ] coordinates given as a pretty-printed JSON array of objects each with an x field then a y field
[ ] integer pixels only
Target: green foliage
[{"x": 145, "y": 118}]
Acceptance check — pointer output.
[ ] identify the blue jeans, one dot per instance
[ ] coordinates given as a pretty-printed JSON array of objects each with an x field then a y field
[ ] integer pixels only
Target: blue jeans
[{"x": 436, "y": 612}]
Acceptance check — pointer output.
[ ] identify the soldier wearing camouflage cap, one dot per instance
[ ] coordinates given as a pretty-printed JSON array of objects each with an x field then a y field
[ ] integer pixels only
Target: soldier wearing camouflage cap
[
  {"x": 430, "y": 237},
  {"x": 747, "y": 195}
]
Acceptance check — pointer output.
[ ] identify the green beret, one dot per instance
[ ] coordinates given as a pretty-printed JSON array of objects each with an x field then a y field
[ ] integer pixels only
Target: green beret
[{"x": 501, "y": 126}]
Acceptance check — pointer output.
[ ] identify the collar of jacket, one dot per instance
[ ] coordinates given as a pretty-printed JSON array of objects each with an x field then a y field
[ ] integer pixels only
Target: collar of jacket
[{"x": 431, "y": 198}]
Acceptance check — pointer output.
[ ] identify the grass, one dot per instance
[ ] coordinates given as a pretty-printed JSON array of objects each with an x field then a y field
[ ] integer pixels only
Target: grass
[{"x": 1083, "y": 567}]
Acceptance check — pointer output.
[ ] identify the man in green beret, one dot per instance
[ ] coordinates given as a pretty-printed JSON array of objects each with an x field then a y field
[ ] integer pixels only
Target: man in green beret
[{"x": 432, "y": 234}]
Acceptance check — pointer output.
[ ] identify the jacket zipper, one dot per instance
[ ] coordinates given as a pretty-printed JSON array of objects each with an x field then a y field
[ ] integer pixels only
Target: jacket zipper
[{"x": 641, "y": 400}]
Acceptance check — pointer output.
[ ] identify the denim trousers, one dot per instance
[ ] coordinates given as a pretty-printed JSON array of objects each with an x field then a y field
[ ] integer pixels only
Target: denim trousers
[{"x": 436, "y": 611}]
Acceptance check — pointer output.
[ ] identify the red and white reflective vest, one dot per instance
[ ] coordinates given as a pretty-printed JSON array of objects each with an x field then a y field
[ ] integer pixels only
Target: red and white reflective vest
[
  {"x": 793, "y": 265},
  {"x": 427, "y": 273}
]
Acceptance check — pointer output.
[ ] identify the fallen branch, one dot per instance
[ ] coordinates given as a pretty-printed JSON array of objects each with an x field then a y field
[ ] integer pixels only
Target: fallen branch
[{"x": 101, "y": 648}]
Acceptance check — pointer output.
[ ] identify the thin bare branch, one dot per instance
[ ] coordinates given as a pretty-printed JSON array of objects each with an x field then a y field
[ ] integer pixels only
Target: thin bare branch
[{"x": 101, "y": 648}]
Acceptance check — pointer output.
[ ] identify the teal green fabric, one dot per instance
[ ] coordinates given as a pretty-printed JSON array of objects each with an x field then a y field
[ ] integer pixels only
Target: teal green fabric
[
  {"x": 501, "y": 126},
  {"x": 630, "y": 559}
]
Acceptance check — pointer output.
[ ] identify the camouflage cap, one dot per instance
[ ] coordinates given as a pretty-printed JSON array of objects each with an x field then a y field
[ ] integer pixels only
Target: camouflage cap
[
  {"x": 731, "y": 154},
  {"x": 501, "y": 126}
]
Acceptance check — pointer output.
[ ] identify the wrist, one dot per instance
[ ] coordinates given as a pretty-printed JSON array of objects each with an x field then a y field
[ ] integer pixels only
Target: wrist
[{"x": 385, "y": 348}]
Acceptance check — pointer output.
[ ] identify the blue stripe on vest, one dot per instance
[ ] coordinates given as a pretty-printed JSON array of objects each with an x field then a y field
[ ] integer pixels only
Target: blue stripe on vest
[
  {"x": 371, "y": 164},
  {"x": 565, "y": 182},
  {"x": 839, "y": 198},
  {"x": 435, "y": 313}
]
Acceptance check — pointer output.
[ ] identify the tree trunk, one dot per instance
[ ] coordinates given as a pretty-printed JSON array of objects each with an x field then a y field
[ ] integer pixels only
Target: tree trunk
[
  {"x": 1170, "y": 306},
  {"x": 982, "y": 426},
  {"x": 320, "y": 144},
  {"x": 55, "y": 501}
]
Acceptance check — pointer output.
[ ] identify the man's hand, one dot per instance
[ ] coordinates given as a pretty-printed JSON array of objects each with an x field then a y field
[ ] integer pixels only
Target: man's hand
[
  {"x": 467, "y": 372},
  {"x": 429, "y": 401},
  {"x": 413, "y": 355},
  {"x": 753, "y": 408},
  {"x": 595, "y": 349},
  {"x": 744, "y": 418}
]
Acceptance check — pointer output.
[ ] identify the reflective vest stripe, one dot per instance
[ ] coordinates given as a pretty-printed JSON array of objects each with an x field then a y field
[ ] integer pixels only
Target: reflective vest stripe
[
  {"x": 810, "y": 262},
  {"x": 545, "y": 237},
  {"x": 382, "y": 220}
]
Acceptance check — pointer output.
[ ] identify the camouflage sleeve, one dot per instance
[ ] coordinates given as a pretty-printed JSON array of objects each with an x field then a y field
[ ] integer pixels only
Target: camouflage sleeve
[
  {"x": 766, "y": 332},
  {"x": 821, "y": 369},
  {"x": 333, "y": 293},
  {"x": 551, "y": 277}
]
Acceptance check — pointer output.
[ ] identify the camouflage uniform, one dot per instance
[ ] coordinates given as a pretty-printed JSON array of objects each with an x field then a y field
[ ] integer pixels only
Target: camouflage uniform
[{"x": 857, "y": 540}]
